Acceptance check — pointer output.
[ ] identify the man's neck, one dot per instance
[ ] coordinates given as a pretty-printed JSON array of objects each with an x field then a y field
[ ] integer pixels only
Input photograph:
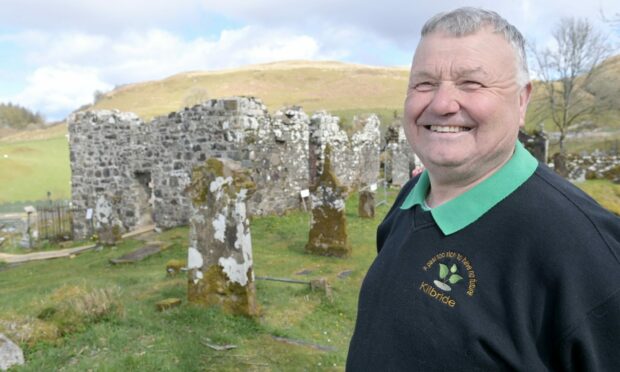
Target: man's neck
[{"x": 447, "y": 188}]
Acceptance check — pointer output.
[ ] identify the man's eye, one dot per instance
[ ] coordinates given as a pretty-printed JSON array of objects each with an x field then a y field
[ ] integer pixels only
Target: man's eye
[
  {"x": 471, "y": 84},
  {"x": 424, "y": 86}
]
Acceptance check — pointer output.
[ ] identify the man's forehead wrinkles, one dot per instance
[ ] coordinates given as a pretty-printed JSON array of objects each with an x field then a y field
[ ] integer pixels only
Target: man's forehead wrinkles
[{"x": 438, "y": 72}]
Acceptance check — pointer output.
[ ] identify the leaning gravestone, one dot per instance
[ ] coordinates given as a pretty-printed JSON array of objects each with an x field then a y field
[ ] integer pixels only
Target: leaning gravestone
[
  {"x": 10, "y": 354},
  {"x": 328, "y": 231},
  {"x": 220, "y": 252}
]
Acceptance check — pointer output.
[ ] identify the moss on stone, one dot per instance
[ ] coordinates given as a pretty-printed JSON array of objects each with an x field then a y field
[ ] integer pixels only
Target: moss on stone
[
  {"x": 328, "y": 235},
  {"x": 215, "y": 289},
  {"x": 242, "y": 179},
  {"x": 174, "y": 267},
  {"x": 167, "y": 304},
  {"x": 215, "y": 166},
  {"x": 199, "y": 186},
  {"x": 203, "y": 175}
]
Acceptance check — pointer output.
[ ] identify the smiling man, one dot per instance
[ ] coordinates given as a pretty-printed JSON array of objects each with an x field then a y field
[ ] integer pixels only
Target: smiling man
[{"x": 487, "y": 260}]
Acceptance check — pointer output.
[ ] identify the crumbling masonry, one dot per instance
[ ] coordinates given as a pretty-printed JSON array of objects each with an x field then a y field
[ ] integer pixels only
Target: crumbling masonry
[{"x": 142, "y": 170}]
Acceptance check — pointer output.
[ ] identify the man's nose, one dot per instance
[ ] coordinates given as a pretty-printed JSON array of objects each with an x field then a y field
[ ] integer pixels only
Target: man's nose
[{"x": 445, "y": 100}]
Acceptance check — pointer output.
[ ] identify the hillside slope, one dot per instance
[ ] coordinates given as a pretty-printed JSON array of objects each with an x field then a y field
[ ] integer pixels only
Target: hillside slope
[{"x": 333, "y": 86}]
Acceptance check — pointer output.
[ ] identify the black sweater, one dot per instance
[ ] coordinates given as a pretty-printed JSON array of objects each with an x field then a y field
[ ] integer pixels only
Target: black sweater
[{"x": 532, "y": 285}]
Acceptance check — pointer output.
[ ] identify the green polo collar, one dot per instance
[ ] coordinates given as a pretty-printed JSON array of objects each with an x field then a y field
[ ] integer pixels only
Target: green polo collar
[{"x": 466, "y": 208}]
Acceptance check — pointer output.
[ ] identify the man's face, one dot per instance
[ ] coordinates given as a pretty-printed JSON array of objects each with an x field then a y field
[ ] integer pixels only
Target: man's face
[{"x": 464, "y": 106}]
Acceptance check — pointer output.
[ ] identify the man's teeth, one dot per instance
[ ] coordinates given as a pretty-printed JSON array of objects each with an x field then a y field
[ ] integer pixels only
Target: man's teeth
[{"x": 447, "y": 129}]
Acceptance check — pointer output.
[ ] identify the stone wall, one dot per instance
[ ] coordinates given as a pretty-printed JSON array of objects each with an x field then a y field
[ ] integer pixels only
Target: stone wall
[
  {"x": 103, "y": 164},
  {"x": 229, "y": 128},
  {"x": 280, "y": 162},
  {"x": 143, "y": 169}
]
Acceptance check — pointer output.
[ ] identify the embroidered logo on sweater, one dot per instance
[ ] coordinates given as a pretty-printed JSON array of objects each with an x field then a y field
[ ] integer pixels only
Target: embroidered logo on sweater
[{"x": 450, "y": 271}]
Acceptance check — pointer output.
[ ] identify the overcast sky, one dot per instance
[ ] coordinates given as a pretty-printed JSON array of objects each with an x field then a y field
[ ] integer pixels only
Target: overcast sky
[{"x": 55, "y": 53}]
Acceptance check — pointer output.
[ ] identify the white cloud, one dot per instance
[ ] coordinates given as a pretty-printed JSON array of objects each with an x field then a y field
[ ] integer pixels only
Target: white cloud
[
  {"x": 102, "y": 16},
  {"x": 56, "y": 90},
  {"x": 71, "y": 66},
  {"x": 400, "y": 21},
  {"x": 102, "y": 43}
]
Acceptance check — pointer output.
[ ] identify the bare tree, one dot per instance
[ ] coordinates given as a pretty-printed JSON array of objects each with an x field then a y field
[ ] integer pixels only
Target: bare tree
[{"x": 567, "y": 71}]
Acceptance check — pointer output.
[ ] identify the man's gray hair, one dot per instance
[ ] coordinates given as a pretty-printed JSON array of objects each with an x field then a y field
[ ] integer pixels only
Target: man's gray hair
[{"x": 467, "y": 20}]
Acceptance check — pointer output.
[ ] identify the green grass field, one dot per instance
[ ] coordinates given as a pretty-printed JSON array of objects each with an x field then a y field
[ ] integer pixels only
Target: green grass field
[
  {"x": 604, "y": 192},
  {"x": 29, "y": 169},
  {"x": 140, "y": 338}
]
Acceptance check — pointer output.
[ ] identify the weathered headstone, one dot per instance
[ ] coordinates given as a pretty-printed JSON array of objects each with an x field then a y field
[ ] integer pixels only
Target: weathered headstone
[
  {"x": 109, "y": 228},
  {"x": 399, "y": 159},
  {"x": 10, "y": 354},
  {"x": 536, "y": 143},
  {"x": 559, "y": 164},
  {"x": 328, "y": 233},
  {"x": 325, "y": 131},
  {"x": 366, "y": 146},
  {"x": 366, "y": 207},
  {"x": 220, "y": 252}
]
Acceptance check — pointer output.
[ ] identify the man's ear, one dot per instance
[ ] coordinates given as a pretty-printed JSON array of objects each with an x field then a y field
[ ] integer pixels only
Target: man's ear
[{"x": 524, "y": 100}]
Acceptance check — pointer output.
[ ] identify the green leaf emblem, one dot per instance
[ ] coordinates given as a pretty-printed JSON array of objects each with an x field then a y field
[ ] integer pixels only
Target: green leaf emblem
[
  {"x": 455, "y": 278},
  {"x": 443, "y": 271},
  {"x": 453, "y": 269}
]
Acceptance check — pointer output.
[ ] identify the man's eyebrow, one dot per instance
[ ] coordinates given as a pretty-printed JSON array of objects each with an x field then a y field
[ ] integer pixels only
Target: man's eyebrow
[
  {"x": 422, "y": 75},
  {"x": 471, "y": 71},
  {"x": 459, "y": 73}
]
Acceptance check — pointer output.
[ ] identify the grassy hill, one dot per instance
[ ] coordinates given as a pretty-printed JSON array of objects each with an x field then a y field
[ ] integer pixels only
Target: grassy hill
[
  {"x": 34, "y": 162},
  {"x": 343, "y": 89}
]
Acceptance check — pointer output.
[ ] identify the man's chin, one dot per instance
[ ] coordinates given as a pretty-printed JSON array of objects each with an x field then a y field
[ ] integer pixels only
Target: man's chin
[{"x": 452, "y": 162}]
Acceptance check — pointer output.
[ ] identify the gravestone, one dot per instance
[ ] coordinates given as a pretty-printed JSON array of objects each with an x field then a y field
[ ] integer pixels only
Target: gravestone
[
  {"x": 399, "y": 158},
  {"x": 107, "y": 226},
  {"x": 366, "y": 207},
  {"x": 220, "y": 252},
  {"x": 536, "y": 143},
  {"x": 328, "y": 231},
  {"x": 10, "y": 354}
]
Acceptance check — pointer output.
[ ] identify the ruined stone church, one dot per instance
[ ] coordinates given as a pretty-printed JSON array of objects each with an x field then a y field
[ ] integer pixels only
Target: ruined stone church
[{"x": 134, "y": 173}]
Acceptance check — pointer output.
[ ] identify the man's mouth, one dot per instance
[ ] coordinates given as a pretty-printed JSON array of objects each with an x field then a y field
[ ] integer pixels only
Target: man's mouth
[{"x": 447, "y": 128}]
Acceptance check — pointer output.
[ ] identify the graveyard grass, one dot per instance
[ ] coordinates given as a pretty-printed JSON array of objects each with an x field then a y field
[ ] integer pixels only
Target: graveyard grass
[
  {"x": 604, "y": 192},
  {"x": 134, "y": 336}
]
